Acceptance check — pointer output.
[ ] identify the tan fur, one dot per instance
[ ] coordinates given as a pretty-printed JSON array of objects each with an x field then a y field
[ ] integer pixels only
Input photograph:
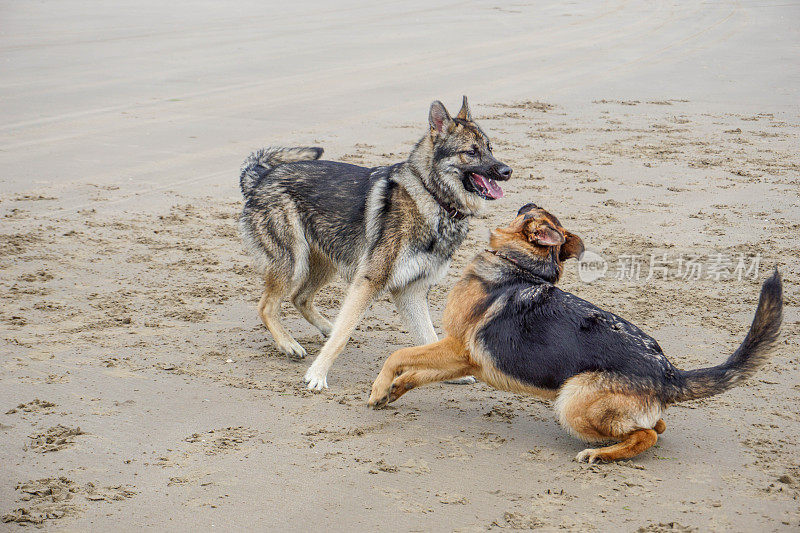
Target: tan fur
[
  {"x": 525, "y": 230},
  {"x": 591, "y": 408},
  {"x": 465, "y": 296},
  {"x": 269, "y": 308},
  {"x": 409, "y": 368},
  {"x": 499, "y": 380},
  {"x": 632, "y": 445}
]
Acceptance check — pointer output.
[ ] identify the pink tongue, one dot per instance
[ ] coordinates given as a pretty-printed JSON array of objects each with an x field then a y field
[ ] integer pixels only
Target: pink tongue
[{"x": 491, "y": 186}]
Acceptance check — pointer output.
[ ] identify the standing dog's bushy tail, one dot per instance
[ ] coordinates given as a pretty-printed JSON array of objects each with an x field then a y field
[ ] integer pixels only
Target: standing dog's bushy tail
[
  {"x": 262, "y": 161},
  {"x": 751, "y": 355}
]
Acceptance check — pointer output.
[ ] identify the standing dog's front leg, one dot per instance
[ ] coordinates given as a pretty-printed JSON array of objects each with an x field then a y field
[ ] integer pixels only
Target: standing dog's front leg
[
  {"x": 412, "y": 304},
  {"x": 356, "y": 301}
]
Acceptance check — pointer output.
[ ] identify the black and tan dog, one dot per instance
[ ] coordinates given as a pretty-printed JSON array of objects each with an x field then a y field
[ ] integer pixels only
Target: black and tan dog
[
  {"x": 391, "y": 228},
  {"x": 509, "y": 326}
]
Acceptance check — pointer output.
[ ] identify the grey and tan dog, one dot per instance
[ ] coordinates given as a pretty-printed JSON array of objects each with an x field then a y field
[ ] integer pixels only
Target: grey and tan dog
[{"x": 391, "y": 228}]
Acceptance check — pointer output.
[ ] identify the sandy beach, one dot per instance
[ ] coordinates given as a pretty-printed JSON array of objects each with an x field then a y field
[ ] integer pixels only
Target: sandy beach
[{"x": 139, "y": 389}]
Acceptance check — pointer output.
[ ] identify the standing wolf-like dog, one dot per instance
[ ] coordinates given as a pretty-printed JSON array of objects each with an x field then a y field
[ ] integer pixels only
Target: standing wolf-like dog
[{"x": 390, "y": 228}]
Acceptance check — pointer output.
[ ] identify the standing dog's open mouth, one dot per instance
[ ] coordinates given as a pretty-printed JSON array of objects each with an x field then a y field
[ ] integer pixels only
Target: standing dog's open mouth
[{"x": 484, "y": 187}]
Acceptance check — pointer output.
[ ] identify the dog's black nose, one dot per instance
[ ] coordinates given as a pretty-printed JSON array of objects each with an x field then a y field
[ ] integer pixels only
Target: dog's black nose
[{"x": 503, "y": 171}]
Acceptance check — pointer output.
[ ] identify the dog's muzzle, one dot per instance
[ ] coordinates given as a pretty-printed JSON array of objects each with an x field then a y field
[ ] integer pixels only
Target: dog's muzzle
[
  {"x": 502, "y": 172},
  {"x": 483, "y": 182}
]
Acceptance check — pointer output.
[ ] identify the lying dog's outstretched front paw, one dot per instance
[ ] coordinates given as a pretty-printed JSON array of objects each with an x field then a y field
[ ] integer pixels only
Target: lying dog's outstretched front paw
[
  {"x": 380, "y": 396},
  {"x": 378, "y": 402},
  {"x": 315, "y": 379},
  {"x": 589, "y": 455},
  {"x": 381, "y": 390}
]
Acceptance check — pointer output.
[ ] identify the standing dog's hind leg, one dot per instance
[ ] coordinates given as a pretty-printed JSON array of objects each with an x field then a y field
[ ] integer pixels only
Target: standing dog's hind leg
[
  {"x": 356, "y": 302},
  {"x": 320, "y": 272},
  {"x": 268, "y": 309}
]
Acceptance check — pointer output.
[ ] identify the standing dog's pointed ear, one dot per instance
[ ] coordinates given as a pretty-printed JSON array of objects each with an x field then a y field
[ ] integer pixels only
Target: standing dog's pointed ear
[
  {"x": 465, "y": 114},
  {"x": 572, "y": 247},
  {"x": 439, "y": 119}
]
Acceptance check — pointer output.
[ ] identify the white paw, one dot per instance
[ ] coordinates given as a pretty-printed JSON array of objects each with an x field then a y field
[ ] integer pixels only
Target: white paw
[
  {"x": 467, "y": 380},
  {"x": 316, "y": 379},
  {"x": 588, "y": 455},
  {"x": 292, "y": 348}
]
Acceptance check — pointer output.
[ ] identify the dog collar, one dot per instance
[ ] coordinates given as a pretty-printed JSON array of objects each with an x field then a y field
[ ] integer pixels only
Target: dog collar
[
  {"x": 451, "y": 211},
  {"x": 517, "y": 264}
]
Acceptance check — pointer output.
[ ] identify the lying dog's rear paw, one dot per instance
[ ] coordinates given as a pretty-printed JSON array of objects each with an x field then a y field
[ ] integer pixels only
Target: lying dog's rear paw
[
  {"x": 292, "y": 348},
  {"x": 316, "y": 380},
  {"x": 467, "y": 380},
  {"x": 589, "y": 455}
]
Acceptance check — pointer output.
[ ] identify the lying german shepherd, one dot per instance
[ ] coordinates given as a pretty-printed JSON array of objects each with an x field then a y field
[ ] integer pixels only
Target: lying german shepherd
[
  {"x": 509, "y": 326},
  {"x": 393, "y": 228}
]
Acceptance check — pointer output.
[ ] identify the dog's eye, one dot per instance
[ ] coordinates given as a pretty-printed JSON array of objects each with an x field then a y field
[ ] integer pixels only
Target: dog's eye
[{"x": 472, "y": 152}]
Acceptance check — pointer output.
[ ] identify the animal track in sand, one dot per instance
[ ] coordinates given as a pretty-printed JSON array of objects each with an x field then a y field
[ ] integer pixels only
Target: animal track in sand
[
  {"x": 217, "y": 441},
  {"x": 55, "y": 498},
  {"x": 54, "y": 439},
  {"x": 32, "y": 406},
  {"x": 666, "y": 527}
]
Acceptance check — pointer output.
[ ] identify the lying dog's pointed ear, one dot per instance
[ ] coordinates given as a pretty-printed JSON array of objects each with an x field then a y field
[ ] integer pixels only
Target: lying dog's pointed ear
[
  {"x": 537, "y": 233},
  {"x": 439, "y": 118},
  {"x": 545, "y": 236},
  {"x": 465, "y": 114},
  {"x": 527, "y": 207},
  {"x": 572, "y": 247}
]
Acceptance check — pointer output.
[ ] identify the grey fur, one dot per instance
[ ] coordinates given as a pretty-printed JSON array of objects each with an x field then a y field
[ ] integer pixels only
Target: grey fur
[{"x": 270, "y": 157}]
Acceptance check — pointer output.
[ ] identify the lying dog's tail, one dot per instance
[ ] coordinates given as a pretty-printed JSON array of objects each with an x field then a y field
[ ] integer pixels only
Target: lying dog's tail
[
  {"x": 264, "y": 160},
  {"x": 751, "y": 355}
]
